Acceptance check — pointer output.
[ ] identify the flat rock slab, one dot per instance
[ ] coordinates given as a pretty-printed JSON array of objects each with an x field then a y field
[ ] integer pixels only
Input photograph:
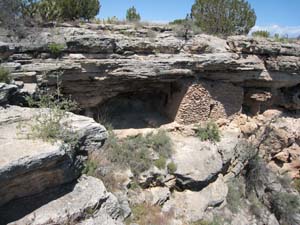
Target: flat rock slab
[
  {"x": 86, "y": 201},
  {"x": 196, "y": 161},
  {"x": 192, "y": 205},
  {"x": 29, "y": 166}
]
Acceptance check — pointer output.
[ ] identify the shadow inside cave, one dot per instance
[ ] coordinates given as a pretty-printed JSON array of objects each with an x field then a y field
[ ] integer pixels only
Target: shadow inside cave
[{"x": 134, "y": 110}]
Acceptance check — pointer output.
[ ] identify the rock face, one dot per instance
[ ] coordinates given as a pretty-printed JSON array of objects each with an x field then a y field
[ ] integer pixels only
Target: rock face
[
  {"x": 88, "y": 200},
  {"x": 147, "y": 76},
  {"x": 192, "y": 205},
  {"x": 99, "y": 63},
  {"x": 6, "y": 91},
  {"x": 28, "y": 166}
]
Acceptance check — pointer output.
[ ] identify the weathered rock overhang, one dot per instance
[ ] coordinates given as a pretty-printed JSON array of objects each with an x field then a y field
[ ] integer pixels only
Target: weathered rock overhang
[{"x": 202, "y": 78}]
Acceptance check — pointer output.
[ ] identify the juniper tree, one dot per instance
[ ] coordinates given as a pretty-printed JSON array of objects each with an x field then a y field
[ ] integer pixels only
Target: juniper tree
[
  {"x": 132, "y": 15},
  {"x": 224, "y": 17}
]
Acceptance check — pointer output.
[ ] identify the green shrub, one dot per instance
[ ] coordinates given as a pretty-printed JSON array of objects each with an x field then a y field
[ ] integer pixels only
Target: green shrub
[
  {"x": 134, "y": 151},
  {"x": 5, "y": 76},
  {"x": 56, "y": 49},
  {"x": 185, "y": 28},
  {"x": 282, "y": 39},
  {"x": 172, "y": 167},
  {"x": 146, "y": 214},
  {"x": 90, "y": 168},
  {"x": 178, "y": 22},
  {"x": 230, "y": 17},
  {"x": 48, "y": 124},
  {"x": 256, "y": 206},
  {"x": 48, "y": 10},
  {"x": 160, "y": 142},
  {"x": 161, "y": 162},
  {"x": 235, "y": 195},
  {"x": 132, "y": 15},
  {"x": 215, "y": 221},
  {"x": 112, "y": 20},
  {"x": 56, "y": 10},
  {"x": 261, "y": 33},
  {"x": 296, "y": 184},
  {"x": 285, "y": 206},
  {"x": 209, "y": 132}
]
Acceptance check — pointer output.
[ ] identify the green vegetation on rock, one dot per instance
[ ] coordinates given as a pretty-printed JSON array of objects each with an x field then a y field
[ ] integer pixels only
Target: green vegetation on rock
[
  {"x": 5, "y": 76},
  {"x": 261, "y": 33},
  {"x": 24, "y": 12},
  {"x": 223, "y": 17},
  {"x": 146, "y": 214},
  {"x": 56, "y": 49},
  {"x": 235, "y": 195},
  {"x": 49, "y": 124},
  {"x": 172, "y": 167},
  {"x": 208, "y": 132},
  {"x": 134, "y": 151},
  {"x": 132, "y": 15}
]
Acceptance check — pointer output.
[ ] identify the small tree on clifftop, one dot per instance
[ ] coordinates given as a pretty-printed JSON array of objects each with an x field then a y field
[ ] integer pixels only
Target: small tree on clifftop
[
  {"x": 225, "y": 17},
  {"x": 132, "y": 15}
]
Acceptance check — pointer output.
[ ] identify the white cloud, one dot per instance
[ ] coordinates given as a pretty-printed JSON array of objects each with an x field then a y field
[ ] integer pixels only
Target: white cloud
[{"x": 291, "y": 31}]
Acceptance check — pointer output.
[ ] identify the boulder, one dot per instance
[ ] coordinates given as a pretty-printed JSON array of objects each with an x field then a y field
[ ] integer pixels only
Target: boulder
[
  {"x": 87, "y": 203},
  {"x": 6, "y": 92},
  {"x": 192, "y": 205},
  {"x": 30, "y": 166}
]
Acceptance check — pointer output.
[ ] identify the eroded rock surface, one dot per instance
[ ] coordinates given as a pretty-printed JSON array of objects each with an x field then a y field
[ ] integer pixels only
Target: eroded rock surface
[
  {"x": 87, "y": 203},
  {"x": 101, "y": 62},
  {"x": 29, "y": 166}
]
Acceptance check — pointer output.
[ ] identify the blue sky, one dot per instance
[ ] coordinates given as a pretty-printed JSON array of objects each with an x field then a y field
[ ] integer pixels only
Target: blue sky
[{"x": 281, "y": 16}]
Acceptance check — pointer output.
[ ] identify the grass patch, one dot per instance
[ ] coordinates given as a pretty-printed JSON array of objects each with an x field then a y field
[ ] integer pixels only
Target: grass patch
[
  {"x": 285, "y": 206},
  {"x": 90, "y": 168},
  {"x": 296, "y": 184},
  {"x": 134, "y": 152},
  {"x": 235, "y": 195},
  {"x": 5, "y": 76},
  {"x": 215, "y": 221},
  {"x": 261, "y": 33},
  {"x": 48, "y": 124},
  {"x": 209, "y": 132},
  {"x": 172, "y": 167},
  {"x": 161, "y": 163},
  {"x": 146, "y": 214},
  {"x": 56, "y": 49},
  {"x": 256, "y": 206}
]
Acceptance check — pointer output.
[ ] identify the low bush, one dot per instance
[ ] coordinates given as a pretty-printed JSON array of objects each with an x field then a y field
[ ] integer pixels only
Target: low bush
[
  {"x": 161, "y": 162},
  {"x": 235, "y": 195},
  {"x": 185, "y": 28},
  {"x": 56, "y": 49},
  {"x": 5, "y": 76},
  {"x": 283, "y": 39},
  {"x": 208, "y": 132},
  {"x": 134, "y": 151},
  {"x": 146, "y": 214},
  {"x": 285, "y": 206},
  {"x": 215, "y": 221},
  {"x": 261, "y": 33},
  {"x": 172, "y": 167},
  {"x": 90, "y": 168},
  {"x": 49, "y": 124},
  {"x": 256, "y": 206},
  {"x": 296, "y": 184}
]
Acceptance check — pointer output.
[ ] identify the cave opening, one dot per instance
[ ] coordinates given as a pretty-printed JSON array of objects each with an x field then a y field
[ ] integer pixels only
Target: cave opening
[{"x": 138, "y": 109}]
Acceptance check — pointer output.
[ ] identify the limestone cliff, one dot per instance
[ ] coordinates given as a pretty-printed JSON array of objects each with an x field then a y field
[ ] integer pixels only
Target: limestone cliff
[
  {"x": 147, "y": 77},
  {"x": 186, "y": 80}
]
